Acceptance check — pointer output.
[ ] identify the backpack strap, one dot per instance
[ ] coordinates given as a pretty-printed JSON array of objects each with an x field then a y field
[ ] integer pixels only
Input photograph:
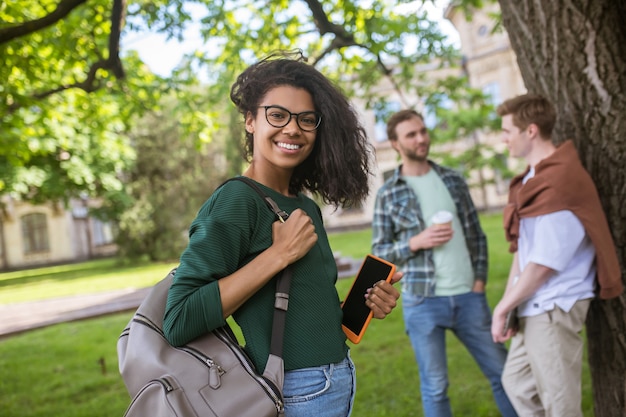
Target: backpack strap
[
  {"x": 283, "y": 283},
  {"x": 281, "y": 214},
  {"x": 283, "y": 278}
]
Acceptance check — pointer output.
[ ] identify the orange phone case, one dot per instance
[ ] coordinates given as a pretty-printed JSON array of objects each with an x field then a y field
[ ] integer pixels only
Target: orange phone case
[{"x": 357, "y": 315}]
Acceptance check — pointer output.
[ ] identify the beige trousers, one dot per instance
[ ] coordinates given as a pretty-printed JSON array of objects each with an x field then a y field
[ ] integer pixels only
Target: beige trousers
[{"x": 542, "y": 374}]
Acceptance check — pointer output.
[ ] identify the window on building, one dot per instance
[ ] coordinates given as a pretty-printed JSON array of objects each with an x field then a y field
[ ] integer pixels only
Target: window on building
[
  {"x": 102, "y": 232},
  {"x": 437, "y": 102},
  {"x": 430, "y": 117},
  {"x": 383, "y": 111},
  {"x": 35, "y": 233},
  {"x": 492, "y": 90},
  {"x": 500, "y": 165}
]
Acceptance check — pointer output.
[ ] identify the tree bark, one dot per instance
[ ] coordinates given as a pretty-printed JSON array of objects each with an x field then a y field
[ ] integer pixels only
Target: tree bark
[{"x": 572, "y": 51}]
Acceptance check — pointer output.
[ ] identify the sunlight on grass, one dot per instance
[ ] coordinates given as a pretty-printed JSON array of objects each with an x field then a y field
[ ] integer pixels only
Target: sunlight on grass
[{"x": 84, "y": 278}]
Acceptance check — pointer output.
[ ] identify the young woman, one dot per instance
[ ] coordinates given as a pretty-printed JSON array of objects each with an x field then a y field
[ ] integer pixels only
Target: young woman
[{"x": 301, "y": 135}]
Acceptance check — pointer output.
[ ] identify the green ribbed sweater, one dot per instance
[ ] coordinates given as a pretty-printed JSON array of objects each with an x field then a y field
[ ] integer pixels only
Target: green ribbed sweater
[{"x": 231, "y": 228}]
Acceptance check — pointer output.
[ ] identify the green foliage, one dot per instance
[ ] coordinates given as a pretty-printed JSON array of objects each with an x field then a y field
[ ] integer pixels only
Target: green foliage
[
  {"x": 464, "y": 115},
  {"x": 460, "y": 109},
  {"x": 355, "y": 41},
  {"x": 56, "y": 155},
  {"x": 171, "y": 178},
  {"x": 63, "y": 117}
]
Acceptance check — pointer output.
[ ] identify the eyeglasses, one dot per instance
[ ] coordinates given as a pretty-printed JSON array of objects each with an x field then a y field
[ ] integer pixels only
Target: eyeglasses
[{"x": 278, "y": 116}]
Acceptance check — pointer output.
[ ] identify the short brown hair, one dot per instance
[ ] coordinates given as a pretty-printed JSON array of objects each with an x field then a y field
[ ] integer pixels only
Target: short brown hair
[
  {"x": 530, "y": 109},
  {"x": 398, "y": 118}
]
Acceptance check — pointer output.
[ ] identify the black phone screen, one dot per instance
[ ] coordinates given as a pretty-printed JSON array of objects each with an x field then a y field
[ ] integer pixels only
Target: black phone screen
[{"x": 355, "y": 312}]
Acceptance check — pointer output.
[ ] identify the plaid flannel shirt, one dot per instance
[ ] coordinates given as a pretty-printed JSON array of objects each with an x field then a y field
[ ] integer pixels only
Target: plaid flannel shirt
[{"x": 398, "y": 217}]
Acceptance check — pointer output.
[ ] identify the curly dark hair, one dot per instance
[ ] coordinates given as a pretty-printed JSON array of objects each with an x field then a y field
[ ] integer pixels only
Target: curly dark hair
[{"x": 338, "y": 168}]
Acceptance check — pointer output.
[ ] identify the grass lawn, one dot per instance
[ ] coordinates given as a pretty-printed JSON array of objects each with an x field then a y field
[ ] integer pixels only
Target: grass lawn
[{"x": 70, "y": 369}]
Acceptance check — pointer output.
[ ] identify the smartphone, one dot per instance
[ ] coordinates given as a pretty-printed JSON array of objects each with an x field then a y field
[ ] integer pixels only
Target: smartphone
[
  {"x": 511, "y": 321},
  {"x": 357, "y": 315}
]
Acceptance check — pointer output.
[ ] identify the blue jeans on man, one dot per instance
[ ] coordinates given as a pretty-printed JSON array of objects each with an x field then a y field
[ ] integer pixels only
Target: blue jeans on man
[{"x": 469, "y": 317}]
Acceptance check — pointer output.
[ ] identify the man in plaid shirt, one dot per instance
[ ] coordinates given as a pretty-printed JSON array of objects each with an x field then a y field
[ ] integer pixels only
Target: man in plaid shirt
[{"x": 445, "y": 267}]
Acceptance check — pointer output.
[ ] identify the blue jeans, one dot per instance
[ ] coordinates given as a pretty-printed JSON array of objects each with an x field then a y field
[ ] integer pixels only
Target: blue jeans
[
  {"x": 322, "y": 391},
  {"x": 469, "y": 317}
]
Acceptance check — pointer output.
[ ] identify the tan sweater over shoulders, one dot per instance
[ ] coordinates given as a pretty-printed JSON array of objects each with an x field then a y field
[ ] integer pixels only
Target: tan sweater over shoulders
[{"x": 562, "y": 183}]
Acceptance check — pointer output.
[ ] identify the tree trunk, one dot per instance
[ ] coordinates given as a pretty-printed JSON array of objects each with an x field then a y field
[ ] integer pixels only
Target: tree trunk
[{"x": 574, "y": 53}]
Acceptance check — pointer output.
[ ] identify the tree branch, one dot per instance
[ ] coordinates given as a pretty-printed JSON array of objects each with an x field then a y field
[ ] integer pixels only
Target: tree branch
[
  {"x": 113, "y": 63},
  {"x": 118, "y": 16},
  {"x": 388, "y": 72},
  {"x": 325, "y": 26},
  {"x": 343, "y": 39},
  {"x": 63, "y": 9}
]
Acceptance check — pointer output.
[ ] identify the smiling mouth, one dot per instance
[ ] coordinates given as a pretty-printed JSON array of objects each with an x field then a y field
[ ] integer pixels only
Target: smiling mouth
[{"x": 289, "y": 146}]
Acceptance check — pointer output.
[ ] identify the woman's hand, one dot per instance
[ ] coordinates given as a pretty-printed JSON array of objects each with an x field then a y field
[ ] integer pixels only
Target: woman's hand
[
  {"x": 291, "y": 241},
  {"x": 295, "y": 237},
  {"x": 383, "y": 297}
]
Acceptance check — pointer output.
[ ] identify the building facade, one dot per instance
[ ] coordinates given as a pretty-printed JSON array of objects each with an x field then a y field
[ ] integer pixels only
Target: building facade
[{"x": 46, "y": 234}]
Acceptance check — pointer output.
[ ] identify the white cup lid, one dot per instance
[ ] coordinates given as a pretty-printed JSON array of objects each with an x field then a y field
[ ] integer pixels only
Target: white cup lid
[{"x": 442, "y": 217}]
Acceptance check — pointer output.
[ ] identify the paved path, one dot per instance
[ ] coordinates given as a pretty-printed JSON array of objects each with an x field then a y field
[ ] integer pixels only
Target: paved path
[{"x": 20, "y": 317}]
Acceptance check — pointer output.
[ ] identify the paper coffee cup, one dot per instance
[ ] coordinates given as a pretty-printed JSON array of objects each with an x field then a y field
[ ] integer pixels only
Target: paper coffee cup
[{"x": 442, "y": 219}]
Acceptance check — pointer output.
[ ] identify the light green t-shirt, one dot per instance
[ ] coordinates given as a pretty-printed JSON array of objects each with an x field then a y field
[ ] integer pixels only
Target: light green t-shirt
[{"x": 453, "y": 267}]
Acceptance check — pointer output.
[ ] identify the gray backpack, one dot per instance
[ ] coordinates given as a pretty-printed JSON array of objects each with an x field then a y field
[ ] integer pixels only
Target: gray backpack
[{"x": 210, "y": 376}]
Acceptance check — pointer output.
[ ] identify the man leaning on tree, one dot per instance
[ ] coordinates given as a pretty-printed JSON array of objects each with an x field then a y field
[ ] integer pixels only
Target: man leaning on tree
[{"x": 563, "y": 257}]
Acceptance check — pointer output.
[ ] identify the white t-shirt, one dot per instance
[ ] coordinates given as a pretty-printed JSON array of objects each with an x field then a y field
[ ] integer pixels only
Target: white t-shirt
[{"x": 558, "y": 241}]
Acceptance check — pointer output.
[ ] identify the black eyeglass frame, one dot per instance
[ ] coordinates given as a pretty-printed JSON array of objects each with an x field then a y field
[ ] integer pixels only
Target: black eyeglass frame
[{"x": 317, "y": 114}]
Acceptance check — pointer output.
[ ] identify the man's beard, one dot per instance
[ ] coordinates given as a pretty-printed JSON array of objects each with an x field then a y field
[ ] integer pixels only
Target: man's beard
[{"x": 417, "y": 156}]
